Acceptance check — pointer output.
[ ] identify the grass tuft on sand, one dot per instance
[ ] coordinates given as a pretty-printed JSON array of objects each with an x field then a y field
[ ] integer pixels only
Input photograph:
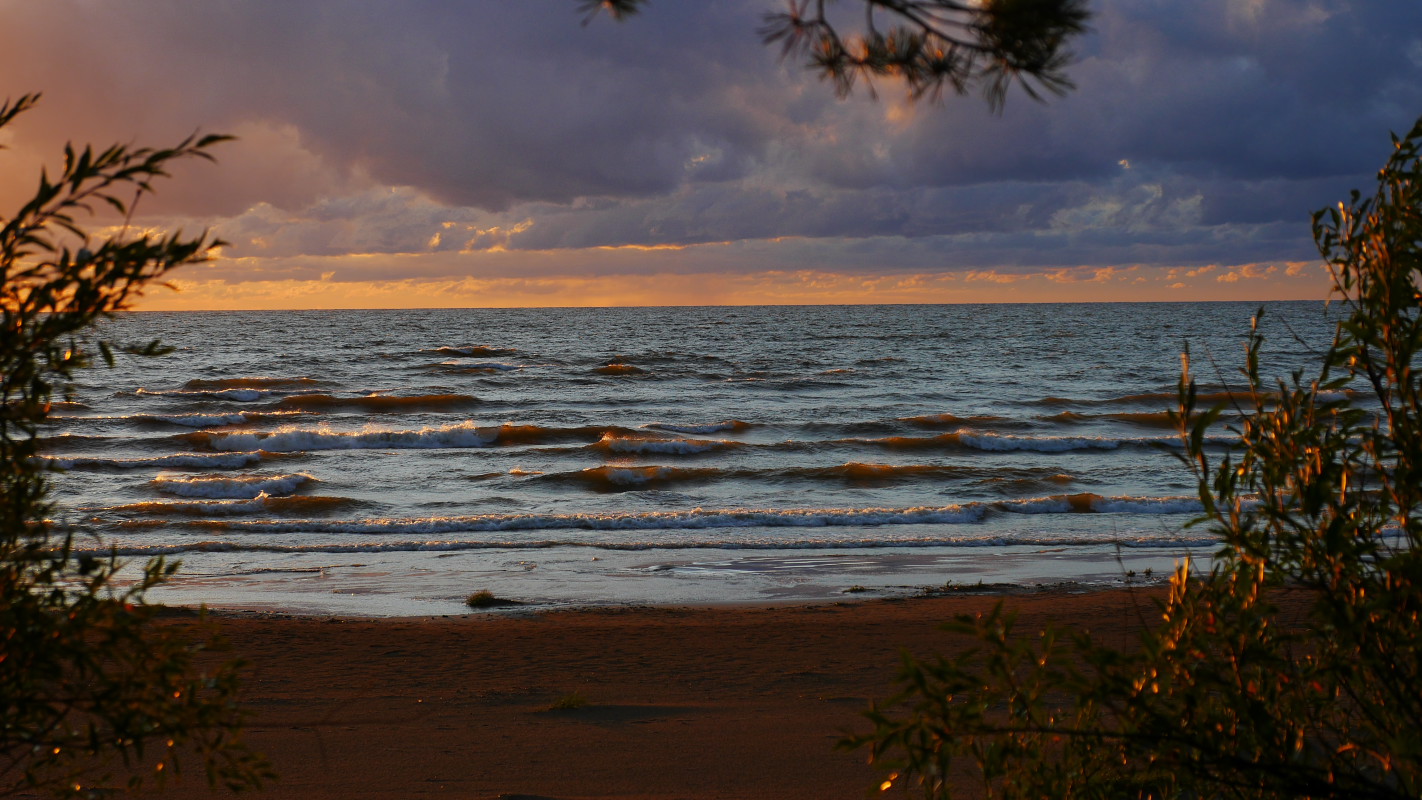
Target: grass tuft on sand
[
  {"x": 569, "y": 701},
  {"x": 487, "y": 599}
]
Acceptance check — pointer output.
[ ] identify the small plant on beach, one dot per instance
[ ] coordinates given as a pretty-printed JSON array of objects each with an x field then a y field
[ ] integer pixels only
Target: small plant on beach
[
  {"x": 94, "y": 696},
  {"x": 1225, "y": 696},
  {"x": 487, "y": 599},
  {"x": 569, "y": 701}
]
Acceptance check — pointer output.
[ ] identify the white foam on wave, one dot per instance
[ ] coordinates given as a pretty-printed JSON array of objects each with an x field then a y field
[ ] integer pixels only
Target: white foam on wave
[
  {"x": 473, "y": 350},
  {"x": 209, "y": 420},
  {"x": 209, "y": 460},
  {"x": 241, "y": 487},
  {"x": 702, "y": 518},
  {"x": 287, "y": 440},
  {"x": 697, "y": 518},
  {"x": 239, "y": 395}
]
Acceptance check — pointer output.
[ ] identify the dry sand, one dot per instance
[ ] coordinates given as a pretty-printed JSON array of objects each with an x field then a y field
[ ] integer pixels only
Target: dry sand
[{"x": 718, "y": 702}]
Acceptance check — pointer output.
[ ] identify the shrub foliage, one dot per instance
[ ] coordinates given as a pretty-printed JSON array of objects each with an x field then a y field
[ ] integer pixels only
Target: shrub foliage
[
  {"x": 93, "y": 695},
  {"x": 1223, "y": 697}
]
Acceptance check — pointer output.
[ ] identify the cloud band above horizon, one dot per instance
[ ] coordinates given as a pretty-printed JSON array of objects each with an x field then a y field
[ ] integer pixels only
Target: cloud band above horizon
[{"x": 504, "y": 148}]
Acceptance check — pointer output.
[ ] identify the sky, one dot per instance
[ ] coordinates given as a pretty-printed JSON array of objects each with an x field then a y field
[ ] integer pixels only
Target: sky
[{"x": 471, "y": 153}]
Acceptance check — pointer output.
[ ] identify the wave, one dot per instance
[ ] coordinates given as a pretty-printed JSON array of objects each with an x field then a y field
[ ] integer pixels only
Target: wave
[
  {"x": 379, "y": 402},
  {"x": 482, "y": 366},
  {"x": 511, "y": 434},
  {"x": 951, "y": 420},
  {"x": 202, "y": 384},
  {"x": 996, "y": 442},
  {"x": 1042, "y": 444},
  {"x": 711, "y": 427},
  {"x": 858, "y": 472},
  {"x": 233, "y": 460},
  {"x": 464, "y": 434},
  {"x": 59, "y": 440},
  {"x": 212, "y": 420},
  {"x": 473, "y": 350},
  {"x": 1087, "y": 503},
  {"x": 237, "y": 395},
  {"x": 1171, "y": 398},
  {"x": 615, "y": 478},
  {"x": 1155, "y": 542},
  {"x": 619, "y": 369},
  {"x": 262, "y": 503},
  {"x": 1161, "y": 399},
  {"x": 241, "y": 487},
  {"x": 1149, "y": 419},
  {"x": 697, "y": 518},
  {"x": 615, "y": 443},
  {"x": 461, "y": 435},
  {"x": 702, "y": 518}
]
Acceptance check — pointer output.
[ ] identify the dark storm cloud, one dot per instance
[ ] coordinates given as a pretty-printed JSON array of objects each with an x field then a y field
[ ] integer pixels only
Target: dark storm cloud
[{"x": 1200, "y": 131}]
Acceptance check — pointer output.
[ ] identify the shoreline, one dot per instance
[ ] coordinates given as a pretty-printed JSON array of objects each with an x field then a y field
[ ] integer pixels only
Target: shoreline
[
  {"x": 434, "y": 583},
  {"x": 518, "y": 609},
  {"x": 734, "y": 701}
]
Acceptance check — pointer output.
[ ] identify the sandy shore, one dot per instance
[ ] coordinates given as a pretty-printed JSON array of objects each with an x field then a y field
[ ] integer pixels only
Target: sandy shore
[{"x": 718, "y": 702}]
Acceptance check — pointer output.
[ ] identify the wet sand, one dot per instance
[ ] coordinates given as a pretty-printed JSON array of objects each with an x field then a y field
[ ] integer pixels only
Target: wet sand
[{"x": 710, "y": 702}]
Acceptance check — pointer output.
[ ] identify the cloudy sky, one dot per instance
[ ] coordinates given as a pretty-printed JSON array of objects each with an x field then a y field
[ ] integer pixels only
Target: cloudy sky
[{"x": 498, "y": 152}]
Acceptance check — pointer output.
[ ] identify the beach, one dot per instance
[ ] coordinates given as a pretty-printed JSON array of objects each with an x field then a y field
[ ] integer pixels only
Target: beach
[
  {"x": 723, "y": 526},
  {"x": 678, "y": 702}
]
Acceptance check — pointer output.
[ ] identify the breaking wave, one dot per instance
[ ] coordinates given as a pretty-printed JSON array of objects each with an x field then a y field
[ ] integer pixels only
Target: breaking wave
[
  {"x": 212, "y": 420},
  {"x": 464, "y": 434},
  {"x": 481, "y": 366},
  {"x": 262, "y": 503},
  {"x": 201, "y": 384},
  {"x": 692, "y": 519},
  {"x": 614, "y": 443},
  {"x": 460, "y": 435},
  {"x": 474, "y": 351},
  {"x": 612, "y": 478},
  {"x": 240, "y": 487},
  {"x": 242, "y": 395}
]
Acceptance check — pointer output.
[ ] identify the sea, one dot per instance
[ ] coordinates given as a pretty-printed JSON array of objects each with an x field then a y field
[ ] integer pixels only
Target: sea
[{"x": 388, "y": 463}]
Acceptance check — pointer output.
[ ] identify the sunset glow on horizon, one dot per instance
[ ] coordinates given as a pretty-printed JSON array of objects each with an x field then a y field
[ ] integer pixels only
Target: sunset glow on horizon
[{"x": 1131, "y": 284}]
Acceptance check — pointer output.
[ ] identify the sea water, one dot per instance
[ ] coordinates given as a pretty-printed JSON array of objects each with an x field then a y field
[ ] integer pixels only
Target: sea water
[{"x": 392, "y": 462}]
